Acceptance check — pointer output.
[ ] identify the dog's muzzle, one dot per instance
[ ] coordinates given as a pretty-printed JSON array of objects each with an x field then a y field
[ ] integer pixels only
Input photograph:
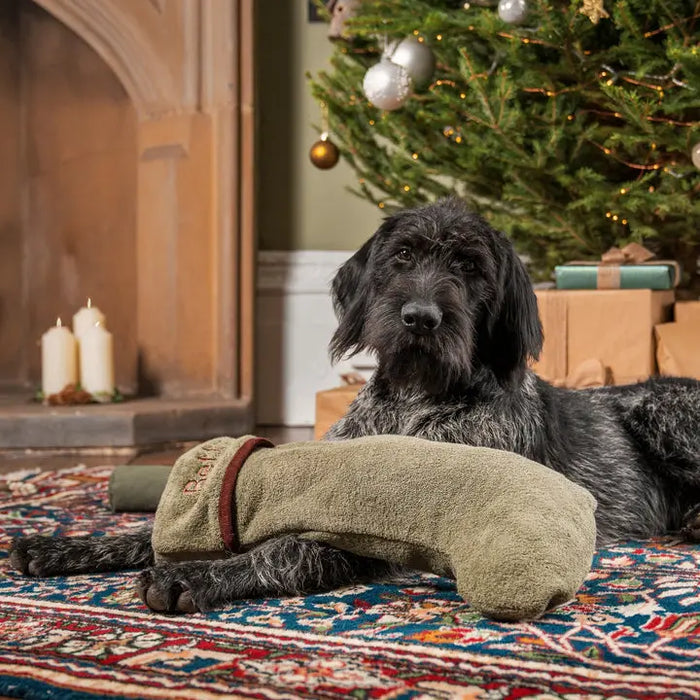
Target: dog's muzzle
[{"x": 420, "y": 317}]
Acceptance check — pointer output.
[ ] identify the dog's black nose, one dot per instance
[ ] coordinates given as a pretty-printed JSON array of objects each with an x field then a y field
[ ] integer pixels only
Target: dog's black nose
[{"x": 421, "y": 317}]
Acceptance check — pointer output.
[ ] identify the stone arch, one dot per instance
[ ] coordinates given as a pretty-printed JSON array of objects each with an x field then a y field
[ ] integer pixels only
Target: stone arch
[
  {"x": 186, "y": 66},
  {"x": 116, "y": 35}
]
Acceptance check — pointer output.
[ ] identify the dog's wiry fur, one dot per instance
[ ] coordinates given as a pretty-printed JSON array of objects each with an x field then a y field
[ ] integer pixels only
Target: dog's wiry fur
[
  {"x": 636, "y": 448},
  {"x": 447, "y": 307}
]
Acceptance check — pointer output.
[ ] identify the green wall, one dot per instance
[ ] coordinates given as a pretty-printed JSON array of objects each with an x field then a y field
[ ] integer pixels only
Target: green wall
[{"x": 299, "y": 206}]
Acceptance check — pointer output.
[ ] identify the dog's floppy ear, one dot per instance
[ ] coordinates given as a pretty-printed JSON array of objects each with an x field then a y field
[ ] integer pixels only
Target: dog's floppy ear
[
  {"x": 513, "y": 331},
  {"x": 350, "y": 291}
]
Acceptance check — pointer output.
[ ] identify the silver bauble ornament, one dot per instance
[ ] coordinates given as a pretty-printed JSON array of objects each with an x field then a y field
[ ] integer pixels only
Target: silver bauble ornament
[
  {"x": 417, "y": 58},
  {"x": 512, "y": 11},
  {"x": 387, "y": 85},
  {"x": 695, "y": 155}
]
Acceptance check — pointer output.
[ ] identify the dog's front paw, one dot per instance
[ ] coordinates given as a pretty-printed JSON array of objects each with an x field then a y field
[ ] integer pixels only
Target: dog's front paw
[
  {"x": 162, "y": 590},
  {"x": 690, "y": 529},
  {"x": 36, "y": 555}
]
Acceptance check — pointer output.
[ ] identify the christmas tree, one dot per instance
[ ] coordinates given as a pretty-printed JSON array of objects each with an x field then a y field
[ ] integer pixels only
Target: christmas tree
[{"x": 571, "y": 126}]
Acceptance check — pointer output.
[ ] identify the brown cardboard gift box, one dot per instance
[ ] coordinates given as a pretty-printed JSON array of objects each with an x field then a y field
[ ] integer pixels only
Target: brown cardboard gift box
[
  {"x": 678, "y": 349},
  {"x": 612, "y": 327},
  {"x": 687, "y": 312},
  {"x": 331, "y": 405},
  {"x": 678, "y": 344}
]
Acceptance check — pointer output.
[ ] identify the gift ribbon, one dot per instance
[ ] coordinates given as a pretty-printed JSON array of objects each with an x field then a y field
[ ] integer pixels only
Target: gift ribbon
[
  {"x": 612, "y": 261},
  {"x": 631, "y": 254}
]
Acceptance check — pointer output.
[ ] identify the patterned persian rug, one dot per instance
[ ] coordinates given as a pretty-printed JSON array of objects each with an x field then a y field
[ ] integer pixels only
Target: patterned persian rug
[{"x": 633, "y": 632}]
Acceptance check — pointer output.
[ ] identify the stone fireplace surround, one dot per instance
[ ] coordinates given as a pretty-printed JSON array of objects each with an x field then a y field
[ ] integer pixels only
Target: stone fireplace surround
[{"x": 186, "y": 67}]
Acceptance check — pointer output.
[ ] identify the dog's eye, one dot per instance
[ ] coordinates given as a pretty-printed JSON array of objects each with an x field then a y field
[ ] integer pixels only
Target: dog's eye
[
  {"x": 468, "y": 265},
  {"x": 404, "y": 255}
]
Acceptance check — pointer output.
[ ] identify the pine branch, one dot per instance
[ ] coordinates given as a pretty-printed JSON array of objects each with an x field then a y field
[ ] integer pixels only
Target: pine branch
[{"x": 550, "y": 129}]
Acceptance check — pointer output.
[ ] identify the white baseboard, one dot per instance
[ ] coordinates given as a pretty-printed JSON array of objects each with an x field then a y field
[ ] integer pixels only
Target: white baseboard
[{"x": 294, "y": 323}]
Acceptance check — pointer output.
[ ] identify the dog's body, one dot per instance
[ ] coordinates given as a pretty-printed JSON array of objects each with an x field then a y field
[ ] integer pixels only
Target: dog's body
[
  {"x": 618, "y": 443},
  {"x": 448, "y": 308}
]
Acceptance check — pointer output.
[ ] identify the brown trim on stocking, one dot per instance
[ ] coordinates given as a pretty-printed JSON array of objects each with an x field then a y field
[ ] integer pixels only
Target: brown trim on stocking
[{"x": 227, "y": 499}]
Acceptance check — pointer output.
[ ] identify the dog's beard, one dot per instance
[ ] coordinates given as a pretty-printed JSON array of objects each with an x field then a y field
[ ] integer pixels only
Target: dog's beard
[{"x": 433, "y": 362}]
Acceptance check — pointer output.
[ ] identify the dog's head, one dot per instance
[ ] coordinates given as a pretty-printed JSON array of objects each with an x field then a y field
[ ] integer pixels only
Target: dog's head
[{"x": 435, "y": 293}]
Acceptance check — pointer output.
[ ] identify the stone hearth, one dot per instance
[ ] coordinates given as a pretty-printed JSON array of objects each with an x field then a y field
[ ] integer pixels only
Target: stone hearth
[{"x": 136, "y": 423}]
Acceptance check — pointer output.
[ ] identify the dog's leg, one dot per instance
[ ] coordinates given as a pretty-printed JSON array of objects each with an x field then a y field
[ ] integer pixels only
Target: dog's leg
[
  {"x": 280, "y": 567},
  {"x": 39, "y": 555}
]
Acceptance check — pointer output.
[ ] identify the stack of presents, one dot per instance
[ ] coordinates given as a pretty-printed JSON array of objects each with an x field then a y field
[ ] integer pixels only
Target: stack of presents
[{"x": 615, "y": 321}]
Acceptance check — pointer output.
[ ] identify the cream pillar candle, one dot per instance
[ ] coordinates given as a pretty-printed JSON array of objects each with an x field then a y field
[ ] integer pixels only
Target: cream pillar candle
[
  {"x": 59, "y": 365},
  {"x": 97, "y": 362},
  {"x": 86, "y": 317}
]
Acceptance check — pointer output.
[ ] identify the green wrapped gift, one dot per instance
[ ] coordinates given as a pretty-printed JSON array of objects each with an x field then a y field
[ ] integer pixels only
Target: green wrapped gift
[
  {"x": 659, "y": 275},
  {"x": 630, "y": 267}
]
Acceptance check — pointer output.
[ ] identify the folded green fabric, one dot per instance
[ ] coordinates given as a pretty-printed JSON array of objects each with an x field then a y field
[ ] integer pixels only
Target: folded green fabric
[
  {"x": 518, "y": 537},
  {"x": 137, "y": 487}
]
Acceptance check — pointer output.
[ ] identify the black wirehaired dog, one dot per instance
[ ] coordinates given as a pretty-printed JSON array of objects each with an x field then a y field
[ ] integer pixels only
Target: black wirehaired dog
[{"x": 447, "y": 307}]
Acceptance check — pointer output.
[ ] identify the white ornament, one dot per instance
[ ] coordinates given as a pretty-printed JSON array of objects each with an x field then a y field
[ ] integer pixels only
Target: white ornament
[
  {"x": 512, "y": 11},
  {"x": 696, "y": 155},
  {"x": 387, "y": 85},
  {"x": 416, "y": 57}
]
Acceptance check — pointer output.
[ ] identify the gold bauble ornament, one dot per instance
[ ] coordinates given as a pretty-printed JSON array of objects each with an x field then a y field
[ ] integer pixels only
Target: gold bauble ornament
[
  {"x": 594, "y": 10},
  {"x": 324, "y": 153}
]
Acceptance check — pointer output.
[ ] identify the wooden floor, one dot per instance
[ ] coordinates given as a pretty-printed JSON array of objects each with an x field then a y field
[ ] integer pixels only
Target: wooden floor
[{"x": 14, "y": 460}]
